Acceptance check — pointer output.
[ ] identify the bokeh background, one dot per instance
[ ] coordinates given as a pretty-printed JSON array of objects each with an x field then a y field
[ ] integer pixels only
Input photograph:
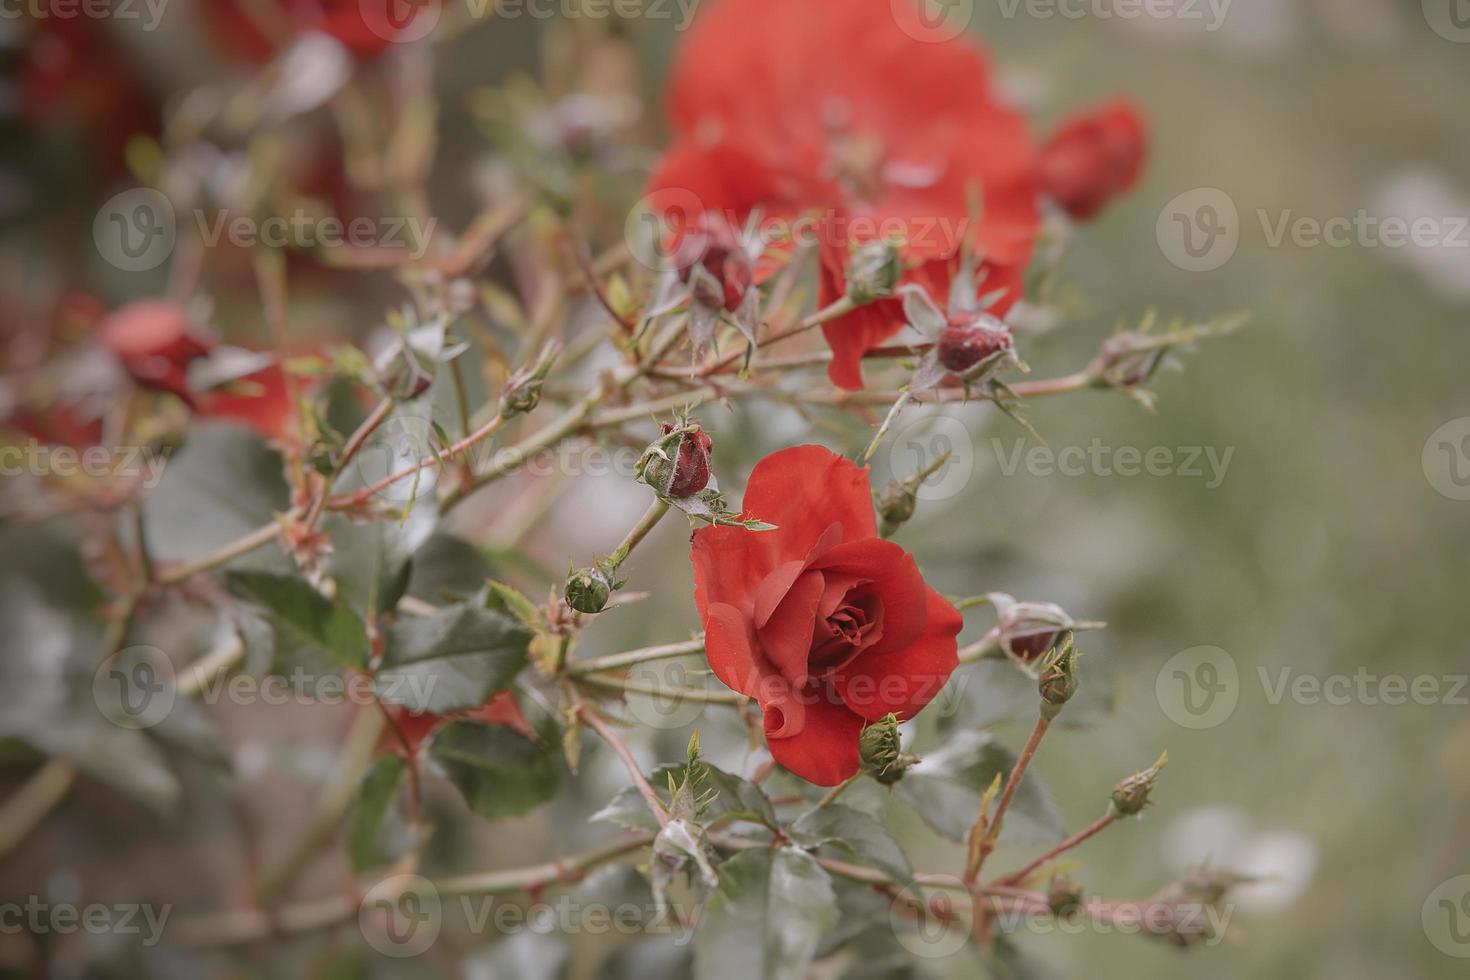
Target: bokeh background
[{"x": 1328, "y": 548}]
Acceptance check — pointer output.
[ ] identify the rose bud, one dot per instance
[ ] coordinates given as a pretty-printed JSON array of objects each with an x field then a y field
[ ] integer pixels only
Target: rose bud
[
  {"x": 896, "y": 503},
  {"x": 1064, "y": 896},
  {"x": 522, "y": 392},
  {"x": 678, "y": 464},
  {"x": 969, "y": 339},
  {"x": 1026, "y": 631},
  {"x": 1058, "y": 681},
  {"x": 881, "y": 752},
  {"x": 1132, "y": 794},
  {"x": 588, "y": 589},
  {"x": 1092, "y": 159},
  {"x": 713, "y": 262},
  {"x": 155, "y": 341},
  {"x": 403, "y": 374},
  {"x": 872, "y": 271}
]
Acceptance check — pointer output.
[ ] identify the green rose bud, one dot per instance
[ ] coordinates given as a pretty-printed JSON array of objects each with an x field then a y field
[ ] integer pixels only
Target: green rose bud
[
  {"x": 872, "y": 271},
  {"x": 881, "y": 752},
  {"x": 588, "y": 589},
  {"x": 1058, "y": 681},
  {"x": 1132, "y": 794}
]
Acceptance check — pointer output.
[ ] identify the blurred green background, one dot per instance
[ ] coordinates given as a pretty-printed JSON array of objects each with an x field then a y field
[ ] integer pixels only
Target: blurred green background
[{"x": 1326, "y": 548}]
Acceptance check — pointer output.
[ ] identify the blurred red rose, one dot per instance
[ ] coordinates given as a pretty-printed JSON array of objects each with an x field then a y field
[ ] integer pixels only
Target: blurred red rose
[
  {"x": 501, "y": 709},
  {"x": 261, "y": 400},
  {"x": 155, "y": 340},
  {"x": 825, "y": 624},
  {"x": 1093, "y": 158},
  {"x": 830, "y": 105},
  {"x": 365, "y": 27}
]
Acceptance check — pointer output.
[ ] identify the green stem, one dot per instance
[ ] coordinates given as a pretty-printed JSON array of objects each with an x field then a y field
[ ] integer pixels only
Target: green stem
[{"x": 617, "y": 661}]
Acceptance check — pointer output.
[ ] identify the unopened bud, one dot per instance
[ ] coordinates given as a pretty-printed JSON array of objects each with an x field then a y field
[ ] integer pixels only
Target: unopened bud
[
  {"x": 1132, "y": 794},
  {"x": 1064, "y": 896},
  {"x": 881, "y": 751},
  {"x": 896, "y": 503},
  {"x": 712, "y": 260},
  {"x": 970, "y": 339},
  {"x": 677, "y": 464},
  {"x": 1028, "y": 630},
  {"x": 1058, "y": 681},
  {"x": 872, "y": 271},
  {"x": 522, "y": 392},
  {"x": 588, "y": 589},
  {"x": 403, "y": 373}
]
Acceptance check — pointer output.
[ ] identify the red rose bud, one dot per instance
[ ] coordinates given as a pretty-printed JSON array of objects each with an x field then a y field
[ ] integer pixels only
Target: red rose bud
[
  {"x": 1092, "y": 159},
  {"x": 155, "y": 341},
  {"x": 969, "y": 339},
  {"x": 1132, "y": 794},
  {"x": 1028, "y": 630},
  {"x": 712, "y": 261},
  {"x": 678, "y": 464}
]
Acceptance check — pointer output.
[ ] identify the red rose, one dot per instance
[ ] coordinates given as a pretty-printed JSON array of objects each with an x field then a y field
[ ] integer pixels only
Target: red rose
[
  {"x": 830, "y": 105},
  {"x": 415, "y": 729},
  {"x": 825, "y": 624},
  {"x": 156, "y": 341},
  {"x": 261, "y": 400},
  {"x": 1093, "y": 158},
  {"x": 365, "y": 27}
]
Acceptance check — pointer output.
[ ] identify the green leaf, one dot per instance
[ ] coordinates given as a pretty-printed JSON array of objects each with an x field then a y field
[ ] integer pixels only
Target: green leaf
[
  {"x": 858, "y": 835},
  {"x": 509, "y": 599},
  {"x": 306, "y": 622},
  {"x": 451, "y": 661},
  {"x": 945, "y": 788},
  {"x": 222, "y": 485},
  {"x": 447, "y": 566},
  {"x": 764, "y": 920},
  {"x": 379, "y": 787},
  {"x": 371, "y": 561},
  {"x": 499, "y": 772},
  {"x": 736, "y": 799}
]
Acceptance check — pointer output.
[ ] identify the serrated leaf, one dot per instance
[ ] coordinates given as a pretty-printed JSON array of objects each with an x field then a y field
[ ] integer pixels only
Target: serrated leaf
[
  {"x": 500, "y": 773},
  {"x": 305, "y": 621},
  {"x": 861, "y": 839},
  {"x": 450, "y": 661},
  {"x": 513, "y": 601},
  {"x": 371, "y": 561},
  {"x": 764, "y": 920},
  {"x": 374, "y": 802},
  {"x": 947, "y": 786}
]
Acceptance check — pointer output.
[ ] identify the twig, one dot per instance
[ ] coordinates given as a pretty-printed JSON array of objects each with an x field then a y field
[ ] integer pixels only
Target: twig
[
  {"x": 611, "y": 737},
  {"x": 1096, "y": 827},
  {"x": 617, "y": 661}
]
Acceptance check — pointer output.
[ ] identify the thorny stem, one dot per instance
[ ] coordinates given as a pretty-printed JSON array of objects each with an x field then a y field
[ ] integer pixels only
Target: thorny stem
[
  {"x": 1013, "y": 783},
  {"x": 664, "y": 691},
  {"x": 646, "y": 523},
  {"x": 349, "y": 451},
  {"x": 832, "y": 311},
  {"x": 611, "y": 737},
  {"x": 617, "y": 661},
  {"x": 1096, "y": 827}
]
